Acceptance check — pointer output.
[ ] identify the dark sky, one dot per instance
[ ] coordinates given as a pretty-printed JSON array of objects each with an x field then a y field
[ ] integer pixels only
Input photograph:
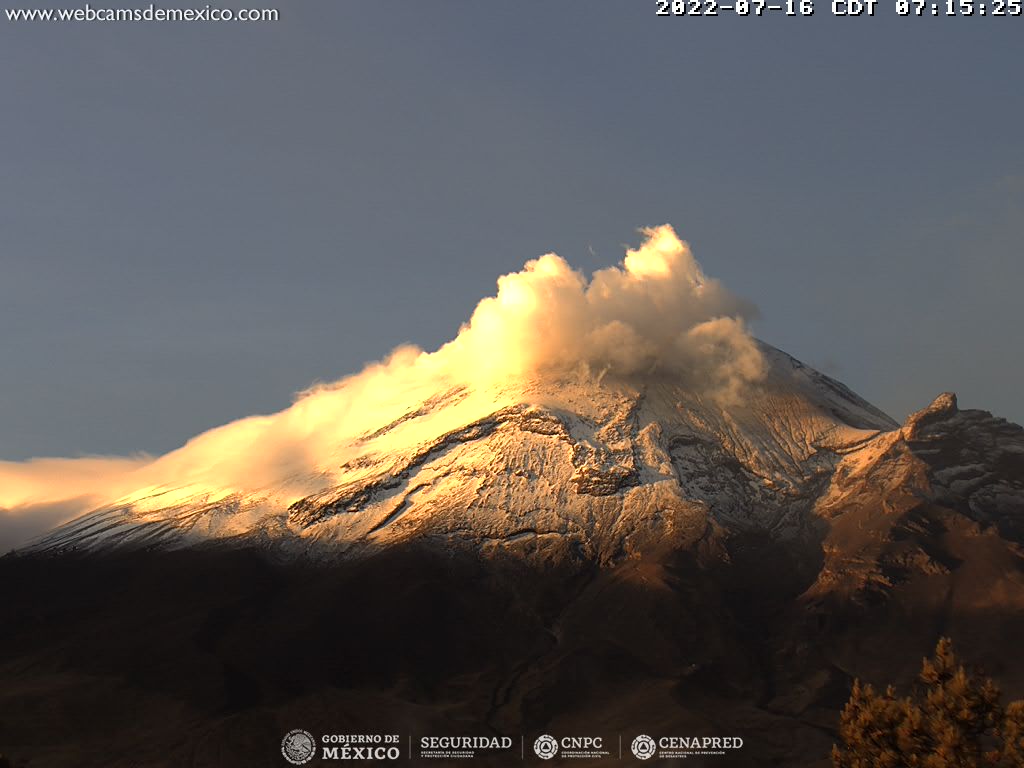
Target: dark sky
[{"x": 197, "y": 220}]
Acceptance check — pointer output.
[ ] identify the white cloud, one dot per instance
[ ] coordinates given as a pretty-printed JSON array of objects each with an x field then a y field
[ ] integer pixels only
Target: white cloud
[{"x": 656, "y": 311}]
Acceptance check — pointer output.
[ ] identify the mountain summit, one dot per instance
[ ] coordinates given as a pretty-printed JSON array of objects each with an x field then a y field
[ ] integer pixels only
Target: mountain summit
[
  {"x": 593, "y": 465},
  {"x": 603, "y": 508},
  {"x": 570, "y": 418}
]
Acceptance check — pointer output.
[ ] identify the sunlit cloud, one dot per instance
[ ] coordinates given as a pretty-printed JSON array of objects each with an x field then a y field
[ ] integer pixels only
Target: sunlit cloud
[{"x": 655, "y": 312}]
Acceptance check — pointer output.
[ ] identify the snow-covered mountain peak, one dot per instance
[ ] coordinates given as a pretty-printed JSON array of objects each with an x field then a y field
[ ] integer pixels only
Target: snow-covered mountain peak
[
  {"x": 571, "y": 416},
  {"x": 601, "y": 462},
  {"x": 942, "y": 407}
]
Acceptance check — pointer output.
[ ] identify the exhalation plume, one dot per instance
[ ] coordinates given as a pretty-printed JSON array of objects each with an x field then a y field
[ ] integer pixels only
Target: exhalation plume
[{"x": 655, "y": 313}]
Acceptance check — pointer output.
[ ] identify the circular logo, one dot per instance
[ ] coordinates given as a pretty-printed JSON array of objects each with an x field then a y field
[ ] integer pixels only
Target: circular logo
[
  {"x": 643, "y": 747},
  {"x": 298, "y": 746},
  {"x": 546, "y": 747}
]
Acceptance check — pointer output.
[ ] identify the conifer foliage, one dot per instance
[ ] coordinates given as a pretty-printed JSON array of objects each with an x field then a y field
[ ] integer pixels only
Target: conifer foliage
[{"x": 954, "y": 719}]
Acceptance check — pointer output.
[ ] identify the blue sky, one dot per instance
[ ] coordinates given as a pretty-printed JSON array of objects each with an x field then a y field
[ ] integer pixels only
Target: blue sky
[{"x": 198, "y": 220}]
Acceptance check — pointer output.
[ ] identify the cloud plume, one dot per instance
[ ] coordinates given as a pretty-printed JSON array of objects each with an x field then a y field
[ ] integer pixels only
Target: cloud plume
[
  {"x": 656, "y": 312},
  {"x": 38, "y": 494}
]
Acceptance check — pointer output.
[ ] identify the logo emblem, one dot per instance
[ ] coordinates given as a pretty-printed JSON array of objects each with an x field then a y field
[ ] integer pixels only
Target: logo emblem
[
  {"x": 643, "y": 747},
  {"x": 298, "y": 746},
  {"x": 546, "y": 747}
]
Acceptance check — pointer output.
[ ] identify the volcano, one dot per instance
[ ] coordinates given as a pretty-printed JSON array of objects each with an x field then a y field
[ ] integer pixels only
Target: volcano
[
  {"x": 575, "y": 466},
  {"x": 606, "y": 546}
]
